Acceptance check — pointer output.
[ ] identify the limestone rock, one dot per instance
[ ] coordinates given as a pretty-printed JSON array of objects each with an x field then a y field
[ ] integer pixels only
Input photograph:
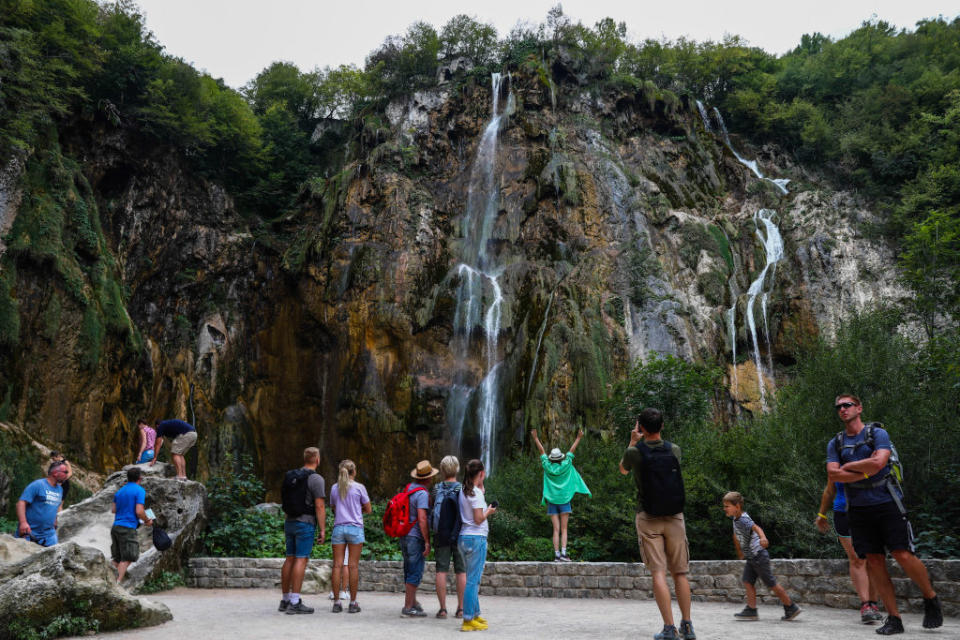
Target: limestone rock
[
  {"x": 180, "y": 507},
  {"x": 67, "y": 578}
]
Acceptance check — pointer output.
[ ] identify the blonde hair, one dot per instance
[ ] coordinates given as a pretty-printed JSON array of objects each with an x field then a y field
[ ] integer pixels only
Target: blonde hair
[
  {"x": 733, "y": 497},
  {"x": 347, "y": 470},
  {"x": 311, "y": 454},
  {"x": 449, "y": 466}
]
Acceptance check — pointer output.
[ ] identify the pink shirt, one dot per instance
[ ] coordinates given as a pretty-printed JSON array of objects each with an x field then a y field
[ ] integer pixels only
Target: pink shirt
[{"x": 151, "y": 436}]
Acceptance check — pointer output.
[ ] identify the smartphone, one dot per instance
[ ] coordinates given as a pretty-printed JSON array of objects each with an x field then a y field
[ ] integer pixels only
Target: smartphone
[{"x": 494, "y": 504}]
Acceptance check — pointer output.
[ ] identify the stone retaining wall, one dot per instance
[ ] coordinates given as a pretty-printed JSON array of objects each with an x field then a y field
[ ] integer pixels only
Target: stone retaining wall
[{"x": 823, "y": 582}]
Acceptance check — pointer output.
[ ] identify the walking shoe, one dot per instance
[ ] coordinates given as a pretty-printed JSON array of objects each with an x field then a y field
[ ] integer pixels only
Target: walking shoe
[
  {"x": 283, "y": 605},
  {"x": 792, "y": 611},
  {"x": 565, "y": 558},
  {"x": 748, "y": 613},
  {"x": 932, "y": 615},
  {"x": 869, "y": 613},
  {"x": 418, "y": 606},
  {"x": 353, "y": 608},
  {"x": 472, "y": 625},
  {"x": 337, "y": 607},
  {"x": 686, "y": 630},
  {"x": 480, "y": 620},
  {"x": 300, "y": 607},
  {"x": 669, "y": 633},
  {"x": 344, "y": 595},
  {"x": 892, "y": 625},
  {"x": 412, "y": 613}
]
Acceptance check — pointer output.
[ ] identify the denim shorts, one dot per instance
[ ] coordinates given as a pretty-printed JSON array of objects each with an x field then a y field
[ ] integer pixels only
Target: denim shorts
[
  {"x": 299, "y": 537},
  {"x": 412, "y": 549},
  {"x": 759, "y": 567},
  {"x": 557, "y": 509},
  {"x": 347, "y": 534}
]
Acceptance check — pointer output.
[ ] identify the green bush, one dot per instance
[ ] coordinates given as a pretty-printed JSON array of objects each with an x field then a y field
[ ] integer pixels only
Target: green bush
[{"x": 166, "y": 581}]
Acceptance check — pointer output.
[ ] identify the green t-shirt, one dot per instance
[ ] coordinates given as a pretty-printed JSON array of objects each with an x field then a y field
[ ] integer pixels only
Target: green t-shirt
[{"x": 632, "y": 461}]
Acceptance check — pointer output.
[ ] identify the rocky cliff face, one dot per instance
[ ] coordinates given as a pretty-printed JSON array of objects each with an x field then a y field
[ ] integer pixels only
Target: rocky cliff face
[{"x": 621, "y": 228}]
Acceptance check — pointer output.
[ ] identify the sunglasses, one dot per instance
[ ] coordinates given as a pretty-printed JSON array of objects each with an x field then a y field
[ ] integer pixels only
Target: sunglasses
[{"x": 844, "y": 405}]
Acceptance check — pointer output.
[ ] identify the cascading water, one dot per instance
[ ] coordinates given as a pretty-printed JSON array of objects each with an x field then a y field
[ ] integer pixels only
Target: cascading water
[
  {"x": 773, "y": 247},
  {"x": 779, "y": 183},
  {"x": 479, "y": 296},
  {"x": 704, "y": 117}
]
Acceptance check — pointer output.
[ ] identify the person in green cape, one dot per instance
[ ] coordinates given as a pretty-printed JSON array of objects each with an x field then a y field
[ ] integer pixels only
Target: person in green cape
[{"x": 560, "y": 482}]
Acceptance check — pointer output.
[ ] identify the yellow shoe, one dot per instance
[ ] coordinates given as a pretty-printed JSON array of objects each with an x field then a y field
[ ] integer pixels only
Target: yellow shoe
[
  {"x": 472, "y": 625},
  {"x": 480, "y": 620}
]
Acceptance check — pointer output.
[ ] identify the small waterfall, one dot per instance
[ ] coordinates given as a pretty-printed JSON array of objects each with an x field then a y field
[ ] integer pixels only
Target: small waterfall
[
  {"x": 536, "y": 352},
  {"x": 479, "y": 296},
  {"x": 704, "y": 117},
  {"x": 773, "y": 247},
  {"x": 780, "y": 183},
  {"x": 731, "y": 313}
]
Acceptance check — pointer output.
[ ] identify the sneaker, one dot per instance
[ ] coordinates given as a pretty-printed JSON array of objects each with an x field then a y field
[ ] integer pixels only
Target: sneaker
[
  {"x": 482, "y": 621},
  {"x": 686, "y": 630},
  {"x": 283, "y": 605},
  {"x": 413, "y": 613},
  {"x": 748, "y": 613},
  {"x": 353, "y": 608},
  {"x": 669, "y": 633},
  {"x": 565, "y": 558},
  {"x": 932, "y": 614},
  {"x": 869, "y": 613},
  {"x": 791, "y": 612},
  {"x": 300, "y": 607},
  {"x": 891, "y": 625},
  {"x": 337, "y": 607},
  {"x": 557, "y": 558},
  {"x": 344, "y": 595},
  {"x": 332, "y": 596},
  {"x": 418, "y": 606},
  {"x": 472, "y": 625}
]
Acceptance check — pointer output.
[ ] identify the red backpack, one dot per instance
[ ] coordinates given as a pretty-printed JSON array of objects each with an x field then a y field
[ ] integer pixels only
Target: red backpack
[{"x": 396, "y": 518}]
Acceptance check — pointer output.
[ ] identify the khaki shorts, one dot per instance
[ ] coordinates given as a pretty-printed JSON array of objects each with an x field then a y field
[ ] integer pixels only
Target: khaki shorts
[
  {"x": 663, "y": 543},
  {"x": 124, "y": 544},
  {"x": 182, "y": 443}
]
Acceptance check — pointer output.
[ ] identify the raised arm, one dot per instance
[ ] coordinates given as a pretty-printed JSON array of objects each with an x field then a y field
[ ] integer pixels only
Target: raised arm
[
  {"x": 573, "y": 447},
  {"x": 537, "y": 442}
]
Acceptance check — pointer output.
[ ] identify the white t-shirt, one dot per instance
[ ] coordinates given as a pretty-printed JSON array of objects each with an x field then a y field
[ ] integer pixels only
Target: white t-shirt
[{"x": 467, "y": 505}]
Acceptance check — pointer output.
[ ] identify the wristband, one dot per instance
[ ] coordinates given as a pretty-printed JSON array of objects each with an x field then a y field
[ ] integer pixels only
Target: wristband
[
  {"x": 820, "y": 515},
  {"x": 866, "y": 477}
]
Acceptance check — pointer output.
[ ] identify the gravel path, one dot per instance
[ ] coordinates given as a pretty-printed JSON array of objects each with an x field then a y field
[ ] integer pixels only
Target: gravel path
[{"x": 251, "y": 614}]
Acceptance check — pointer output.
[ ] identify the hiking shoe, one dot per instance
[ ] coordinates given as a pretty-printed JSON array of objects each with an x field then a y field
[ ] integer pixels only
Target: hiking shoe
[
  {"x": 686, "y": 630},
  {"x": 283, "y": 605},
  {"x": 353, "y": 608},
  {"x": 892, "y": 625},
  {"x": 932, "y": 614},
  {"x": 412, "y": 612},
  {"x": 300, "y": 607},
  {"x": 669, "y": 633},
  {"x": 791, "y": 612},
  {"x": 748, "y": 613},
  {"x": 337, "y": 607},
  {"x": 472, "y": 625},
  {"x": 869, "y": 613},
  {"x": 417, "y": 606}
]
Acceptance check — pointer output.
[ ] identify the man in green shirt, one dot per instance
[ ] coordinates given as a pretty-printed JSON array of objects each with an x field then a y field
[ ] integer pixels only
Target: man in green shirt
[{"x": 660, "y": 527}]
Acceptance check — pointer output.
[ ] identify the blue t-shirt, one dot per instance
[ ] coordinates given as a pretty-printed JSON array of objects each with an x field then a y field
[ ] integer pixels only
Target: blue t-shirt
[
  {"x": 861, "y": 494},
  {"x": 43, "y": 501},
  {"x": 840, "y": 499},
  {"x": 170, "y": 429},
  {"x": 127, "y": 499},
  {"x": 418, "y": 500}
]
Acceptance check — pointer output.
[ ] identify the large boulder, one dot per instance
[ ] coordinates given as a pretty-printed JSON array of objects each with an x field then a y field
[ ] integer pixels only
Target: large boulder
[
  {"x": 179, "y": 506},
  {"x": 40, "y": 584}
]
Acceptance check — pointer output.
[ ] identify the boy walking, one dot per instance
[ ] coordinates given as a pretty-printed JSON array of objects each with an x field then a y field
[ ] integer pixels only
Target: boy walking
[{"x": 751, "y": 545}]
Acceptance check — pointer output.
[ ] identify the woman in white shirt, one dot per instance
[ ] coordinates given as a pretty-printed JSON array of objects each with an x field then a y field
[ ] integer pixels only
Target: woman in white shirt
[{"x": 473, "y": 541}]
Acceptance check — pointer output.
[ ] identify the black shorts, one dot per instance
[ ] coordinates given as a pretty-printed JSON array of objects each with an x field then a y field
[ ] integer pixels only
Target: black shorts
[
  {"x": 841, "y": 524},
  {"x": 879, "y": 528},
  {"x": 759, "y": 567}
]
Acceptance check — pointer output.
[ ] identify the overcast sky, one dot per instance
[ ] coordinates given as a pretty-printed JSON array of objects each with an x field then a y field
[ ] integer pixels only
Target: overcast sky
[{"x": 236, "y": 39}]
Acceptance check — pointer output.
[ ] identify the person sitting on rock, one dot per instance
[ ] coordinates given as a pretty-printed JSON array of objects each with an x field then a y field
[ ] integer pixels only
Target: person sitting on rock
[
  {"x": 560, "y": 483},
  {"x": 148, "y": 438},
  {"x": 40, "y": 504},
  {"x": 128, "y": 507},
  {"x": 182, "y": 436}
]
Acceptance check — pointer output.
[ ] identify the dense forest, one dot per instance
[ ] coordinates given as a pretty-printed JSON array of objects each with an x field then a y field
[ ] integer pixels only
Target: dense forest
[{"x": 876, "y": 112}]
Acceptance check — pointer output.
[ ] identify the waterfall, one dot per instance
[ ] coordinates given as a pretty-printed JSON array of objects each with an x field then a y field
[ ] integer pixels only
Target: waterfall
[
  {"x": 704, "y": 117},
  {"x": 779, "y": 183},
  {"x": 479, "y": 296},
  {"x": 773, "y": 247}
]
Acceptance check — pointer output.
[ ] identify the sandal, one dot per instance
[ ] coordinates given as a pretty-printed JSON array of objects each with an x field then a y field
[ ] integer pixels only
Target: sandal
[
  {"x": 442, "y": 613},
  {"x": 459, "y": 613}
]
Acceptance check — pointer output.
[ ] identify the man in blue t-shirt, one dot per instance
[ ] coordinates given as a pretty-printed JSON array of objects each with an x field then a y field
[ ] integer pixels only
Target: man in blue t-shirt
[
  {"x": 182, "y": 435},
  {"x": 878, "y": 521},
  {"x": 39, "y": 505},
  {"x": 128, "y": 507}
]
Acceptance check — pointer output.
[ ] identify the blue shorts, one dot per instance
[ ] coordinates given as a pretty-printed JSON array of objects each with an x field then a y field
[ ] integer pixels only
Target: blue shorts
[
  {"x": 412, "y": 549},
  {"x": 147, "y": 456},
  {"x": 299, "y": 537},
  {"x": 347, "y": 534},
  {"x": 557, "y": 509},
  {"x": 44, "y": 538}
]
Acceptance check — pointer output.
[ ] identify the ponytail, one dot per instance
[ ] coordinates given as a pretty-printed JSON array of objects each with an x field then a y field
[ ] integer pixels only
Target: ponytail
[
  {"x": 347, "y": 470},
  {"x": 470, "y": 473}
]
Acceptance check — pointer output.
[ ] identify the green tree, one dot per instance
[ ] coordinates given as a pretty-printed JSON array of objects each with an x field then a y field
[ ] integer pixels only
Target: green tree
[{"x": 930, "y": 264}]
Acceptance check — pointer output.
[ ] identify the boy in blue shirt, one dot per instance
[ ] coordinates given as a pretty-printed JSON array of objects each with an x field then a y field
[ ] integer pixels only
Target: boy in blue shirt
[
  {"x": 39, "y": 505},
  {"x": 128, "y": 507}
]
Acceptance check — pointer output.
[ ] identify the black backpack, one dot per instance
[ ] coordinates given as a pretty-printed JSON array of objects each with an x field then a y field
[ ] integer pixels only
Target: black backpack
[
  {"x": 294, "y": 493},
  {"x": 445, "y": 517},
  {"x": 663, "y": 493},
  {"x": 161, "y": 540}
]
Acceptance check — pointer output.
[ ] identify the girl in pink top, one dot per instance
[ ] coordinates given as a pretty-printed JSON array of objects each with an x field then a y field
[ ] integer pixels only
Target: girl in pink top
[{"x": 148, "y": 437}]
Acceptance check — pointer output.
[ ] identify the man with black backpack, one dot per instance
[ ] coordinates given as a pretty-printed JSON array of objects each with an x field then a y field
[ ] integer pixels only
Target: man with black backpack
[
  {"x": 861, "y": 457},
  {"x": 660, "y": 527},
  {"x": 303, "y": 494}
]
